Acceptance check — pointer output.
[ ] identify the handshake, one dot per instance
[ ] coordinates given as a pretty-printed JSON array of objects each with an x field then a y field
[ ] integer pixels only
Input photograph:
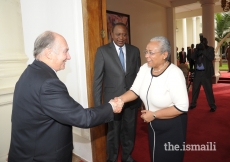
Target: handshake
[{"x": 117, "y": 104}]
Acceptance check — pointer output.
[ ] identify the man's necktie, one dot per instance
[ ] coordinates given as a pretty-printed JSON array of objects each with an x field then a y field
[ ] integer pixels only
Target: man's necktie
[{"x": 121, "y": 56}]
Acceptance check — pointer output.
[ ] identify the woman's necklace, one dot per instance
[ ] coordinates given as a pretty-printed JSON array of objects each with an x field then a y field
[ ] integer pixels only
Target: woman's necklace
[{"x": 156, "y": 71}]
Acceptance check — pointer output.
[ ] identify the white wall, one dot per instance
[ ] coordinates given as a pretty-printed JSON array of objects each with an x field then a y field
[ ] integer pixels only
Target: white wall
[
  {"x": 147, "y": 20},
  {"x": 65, "y": 18},
  {"x": 12, "y": 64}
]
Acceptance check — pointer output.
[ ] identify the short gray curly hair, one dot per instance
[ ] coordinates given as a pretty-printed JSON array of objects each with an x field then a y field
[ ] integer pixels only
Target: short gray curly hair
[{"x": 164, "y": 45}]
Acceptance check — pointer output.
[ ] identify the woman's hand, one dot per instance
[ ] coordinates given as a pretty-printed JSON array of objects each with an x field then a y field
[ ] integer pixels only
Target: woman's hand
[
  {"x": 147, "y": 115},
  {"x": 166, "y": 113}
]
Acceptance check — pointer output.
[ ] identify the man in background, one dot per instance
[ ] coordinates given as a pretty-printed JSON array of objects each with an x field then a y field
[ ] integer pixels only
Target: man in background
[
  {"x": 227, "y": 54},
  {"x": 177, "y": 56},
  {"x": 43, "y": 111},
  {"x": 190, "y": 58},
  {"x": 182, "y": 56},
  {"x": 115, "y": 68},
  {"x": 204, "y": 71}
]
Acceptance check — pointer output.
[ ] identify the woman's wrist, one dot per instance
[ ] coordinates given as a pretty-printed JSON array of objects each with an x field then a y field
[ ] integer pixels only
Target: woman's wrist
[{"x": 154, "y": 116}]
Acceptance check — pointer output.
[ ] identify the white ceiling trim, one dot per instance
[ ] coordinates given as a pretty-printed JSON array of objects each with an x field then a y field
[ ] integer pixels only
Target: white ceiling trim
[
  {"x": 163, "y": 3},
  {"x": 182, "y": 5}
]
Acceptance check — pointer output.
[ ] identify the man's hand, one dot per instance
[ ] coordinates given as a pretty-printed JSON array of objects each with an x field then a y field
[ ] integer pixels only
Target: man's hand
[{"x": 117, "y": 104}]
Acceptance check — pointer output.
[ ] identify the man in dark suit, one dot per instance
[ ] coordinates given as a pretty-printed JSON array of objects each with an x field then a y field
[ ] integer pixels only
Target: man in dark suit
[
  {"x": 227, "y": 56},
  {"x": 189, "y": 58},
  {"x": 182, "y": 56},
  {"x": 43, "y": 111},
  {"x": 112, "y": 77},
  {"x": 204, "y": 71}
]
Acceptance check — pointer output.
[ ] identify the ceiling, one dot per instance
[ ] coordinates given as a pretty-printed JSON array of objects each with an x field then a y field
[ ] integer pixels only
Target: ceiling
[
  {"x": 185, "y": 5},
  {"x": 192, "y": 7}
]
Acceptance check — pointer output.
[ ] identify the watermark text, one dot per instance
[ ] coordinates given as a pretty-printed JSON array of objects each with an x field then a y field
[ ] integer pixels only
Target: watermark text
[{"x": 209, "y": 146}]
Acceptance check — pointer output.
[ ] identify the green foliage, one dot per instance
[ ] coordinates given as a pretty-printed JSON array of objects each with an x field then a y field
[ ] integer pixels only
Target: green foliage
[
  {"x": 222, "y": 29},
  {"x": 223, "y": 67},
  {"x": 222, "y": 26}
]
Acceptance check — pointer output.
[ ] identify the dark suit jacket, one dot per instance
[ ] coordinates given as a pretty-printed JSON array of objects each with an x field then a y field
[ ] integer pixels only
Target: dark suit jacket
[
  {"x": 43, "y": 115},
  {"x": 190, "y": 54},
  {"x": 182, "y": 59},
  {"x": 227, "y": 54},
  {"x": 110, "y": 76},
  {"x": 208, "y": 57}
]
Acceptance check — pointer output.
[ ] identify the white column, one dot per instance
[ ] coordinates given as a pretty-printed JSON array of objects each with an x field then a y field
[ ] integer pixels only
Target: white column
[
  {"x": 194, "y": 30},
  {"x": 12, "y": 63},
  {"x": 199, "y": 28},
  {"x": 201, "y": 25},
  {"x": 208, "y": 30},
  {"x": 184, "y": 26},
  {"x": 171, "y": 33},
  {"x": 12, "y": 55},
  {"x": 208, "y": 20}
]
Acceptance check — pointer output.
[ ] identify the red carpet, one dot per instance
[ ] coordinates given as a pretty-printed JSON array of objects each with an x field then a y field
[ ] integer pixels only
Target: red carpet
[
  {"x": 203, "y": 127},
  {"x": 224, "y": 77}
]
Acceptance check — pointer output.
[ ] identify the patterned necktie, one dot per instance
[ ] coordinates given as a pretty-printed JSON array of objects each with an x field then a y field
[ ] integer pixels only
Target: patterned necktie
[{"x": 121, "y": 57}]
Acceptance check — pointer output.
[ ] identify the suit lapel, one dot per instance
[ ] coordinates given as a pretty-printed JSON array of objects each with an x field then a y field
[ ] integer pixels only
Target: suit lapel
[{"x": 128, "y": 59}]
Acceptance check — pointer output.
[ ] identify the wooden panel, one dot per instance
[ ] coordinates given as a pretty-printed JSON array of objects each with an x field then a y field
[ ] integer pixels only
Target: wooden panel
[{"x": 94, "y": 21}]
